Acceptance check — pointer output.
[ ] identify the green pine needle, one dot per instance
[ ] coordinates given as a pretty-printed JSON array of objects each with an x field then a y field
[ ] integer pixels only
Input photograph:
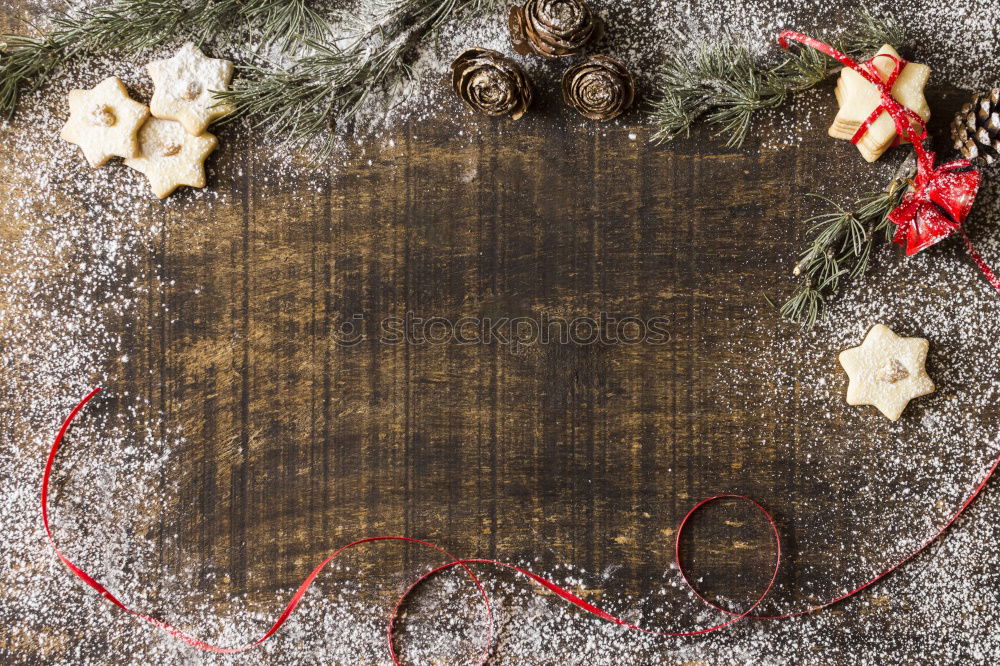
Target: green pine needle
[
  {"x": 128, "y": 26},
  {"x": 331, "y": 85},
  {"x": 285, "y": 22},
  {"x": 842, "y": 244},
  {"x": 24, "y": 63}
]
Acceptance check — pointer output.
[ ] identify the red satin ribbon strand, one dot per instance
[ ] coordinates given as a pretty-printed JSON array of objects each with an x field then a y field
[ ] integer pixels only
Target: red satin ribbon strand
[
  {"x": 898, "y": 66},
  {"x": 289, "y": 608},
  {"x": 980, "y": 262},
  {"x": 777, "y": 557},
  {"x": 466, "y": 565}
]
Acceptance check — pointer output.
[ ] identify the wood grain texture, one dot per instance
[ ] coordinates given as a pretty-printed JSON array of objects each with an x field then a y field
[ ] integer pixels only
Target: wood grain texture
[
  {"x": 550, "y": 453},
  {"x": 577, "y": 453},
  {"x": 580, "y": 451}
]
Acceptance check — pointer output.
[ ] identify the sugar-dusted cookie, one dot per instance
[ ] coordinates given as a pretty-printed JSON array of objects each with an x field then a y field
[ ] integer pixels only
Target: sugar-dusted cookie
[
  {"x": 170, "y": 157},
  {"x": 183, "y": 85},
  {"x": 858, "y": 98},
  {"x": 886, "y": 371},
  {"x": 103, "y": 121}
]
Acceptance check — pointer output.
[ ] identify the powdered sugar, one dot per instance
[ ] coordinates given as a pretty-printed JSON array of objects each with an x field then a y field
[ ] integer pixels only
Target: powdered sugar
[{"x": 73, "y": 274}]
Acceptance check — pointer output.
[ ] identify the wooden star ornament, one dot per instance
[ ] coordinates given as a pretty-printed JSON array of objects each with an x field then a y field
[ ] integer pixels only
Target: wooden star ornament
[
  {"x": 103, "y": 121},
  {"x": 183, "y": 85},
  {"x": 170, "y": 157},
  {"x": 887, "y": 371},
  {"x": 858, "y": 98}
]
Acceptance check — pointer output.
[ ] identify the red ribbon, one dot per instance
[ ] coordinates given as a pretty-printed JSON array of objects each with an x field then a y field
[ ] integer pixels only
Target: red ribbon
[
  {"x": 936, "y": 206},
  {"x": 940, "y": 197},
  {"x": 869, "y": 68},
  {"x": 465, "y": 564},
  {"x": 296, "y": 598}
]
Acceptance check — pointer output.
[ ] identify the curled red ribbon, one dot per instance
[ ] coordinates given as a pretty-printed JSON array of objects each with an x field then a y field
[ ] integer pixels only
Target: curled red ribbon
[
  {"x": 465, "y": 564},
  {"x": 296, "y": 598},
  {"x": 940, "y": 197}
]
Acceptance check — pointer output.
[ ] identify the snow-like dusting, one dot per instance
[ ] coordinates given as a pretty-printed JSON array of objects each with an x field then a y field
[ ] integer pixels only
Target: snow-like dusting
[{"x": 71, "y": 233}]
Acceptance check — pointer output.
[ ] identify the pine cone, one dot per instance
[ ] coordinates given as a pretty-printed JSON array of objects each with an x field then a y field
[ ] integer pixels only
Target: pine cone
[
  {"x": 600, "y": 88},
  {"x": 491, "y": 84},
  {"x": 976, "y": 128},
  {"x": 553, "y": 28}
]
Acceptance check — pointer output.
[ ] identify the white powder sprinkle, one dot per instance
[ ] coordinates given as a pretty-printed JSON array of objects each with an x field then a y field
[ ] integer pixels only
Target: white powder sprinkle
[{"x": 65, "y": 308}]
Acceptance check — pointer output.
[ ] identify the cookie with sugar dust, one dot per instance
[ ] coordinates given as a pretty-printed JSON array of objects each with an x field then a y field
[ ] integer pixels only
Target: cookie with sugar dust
[
  {"x": 886, "y": 371},
  {"x": 183, "y": 88},
  {"x": 171, "y": 157},
  {"x": 858, "y": 98},
  {"x": 104, "y": 121}
]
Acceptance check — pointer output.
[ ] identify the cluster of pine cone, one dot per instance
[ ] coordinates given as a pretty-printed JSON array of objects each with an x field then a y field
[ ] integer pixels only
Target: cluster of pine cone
[{"x": 599, "y": 87}]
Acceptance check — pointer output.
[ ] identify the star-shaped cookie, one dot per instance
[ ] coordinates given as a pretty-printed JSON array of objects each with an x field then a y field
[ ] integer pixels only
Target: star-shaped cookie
[
  {"x": 858, "y": 98},
  {"x": 183, "y": 85},
  {"x": 886, "y": 371},
  {"x": 170, "y": 157},
  {"x": 103, "y": 121}
]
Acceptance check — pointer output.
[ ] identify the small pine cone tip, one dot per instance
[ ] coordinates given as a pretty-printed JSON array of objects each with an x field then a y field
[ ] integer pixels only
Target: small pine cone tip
[
  {"x": 600, "y": 88},
  {"x": 975, "y": 131},
  {"x": 553, "y": 28},
  {"x": 491, "y": 84}
]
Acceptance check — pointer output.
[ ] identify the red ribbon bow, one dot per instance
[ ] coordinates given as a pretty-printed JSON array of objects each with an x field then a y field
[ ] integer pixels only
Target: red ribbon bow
[
  {"x": 936, "y": 207},
  {"x": 941, "y": 196}
]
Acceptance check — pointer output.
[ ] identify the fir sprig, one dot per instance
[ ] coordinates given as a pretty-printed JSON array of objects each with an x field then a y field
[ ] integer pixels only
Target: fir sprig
[
  {"x": 841, "y": 247},
  {"x": 330, "y": 86},
  {"x": 726, "y": 85},
  {"x": 25, "y": 62},
  {"x": 127, "y": 26}
]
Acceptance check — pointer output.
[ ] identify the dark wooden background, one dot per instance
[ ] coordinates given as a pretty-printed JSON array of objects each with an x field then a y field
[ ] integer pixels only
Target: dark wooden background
[{"x": 587, "y": 454}]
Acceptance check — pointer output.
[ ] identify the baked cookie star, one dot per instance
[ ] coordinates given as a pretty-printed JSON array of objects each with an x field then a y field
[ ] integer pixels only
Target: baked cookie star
[
  {"x": 183, "y": 85},
  {"x": 858, "y": 98},
  {"x": 103, "y": 121},
  {"x": 170, "y": 157},
  {"x": 886, "y": 371}
]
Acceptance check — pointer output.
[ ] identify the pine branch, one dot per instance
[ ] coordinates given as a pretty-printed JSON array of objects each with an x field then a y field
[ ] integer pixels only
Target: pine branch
[
  {"x": 842, "y": 245},
  {"x": 330, "y": 86},
  {"x": 130, "y": 25},
  {"x": 24, "y": 63},
  {"x": 724, "y": 84}
]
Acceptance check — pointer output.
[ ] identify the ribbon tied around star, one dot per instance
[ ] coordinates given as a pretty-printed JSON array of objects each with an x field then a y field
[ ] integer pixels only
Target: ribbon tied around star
[{"x": 939, "y": 197}]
